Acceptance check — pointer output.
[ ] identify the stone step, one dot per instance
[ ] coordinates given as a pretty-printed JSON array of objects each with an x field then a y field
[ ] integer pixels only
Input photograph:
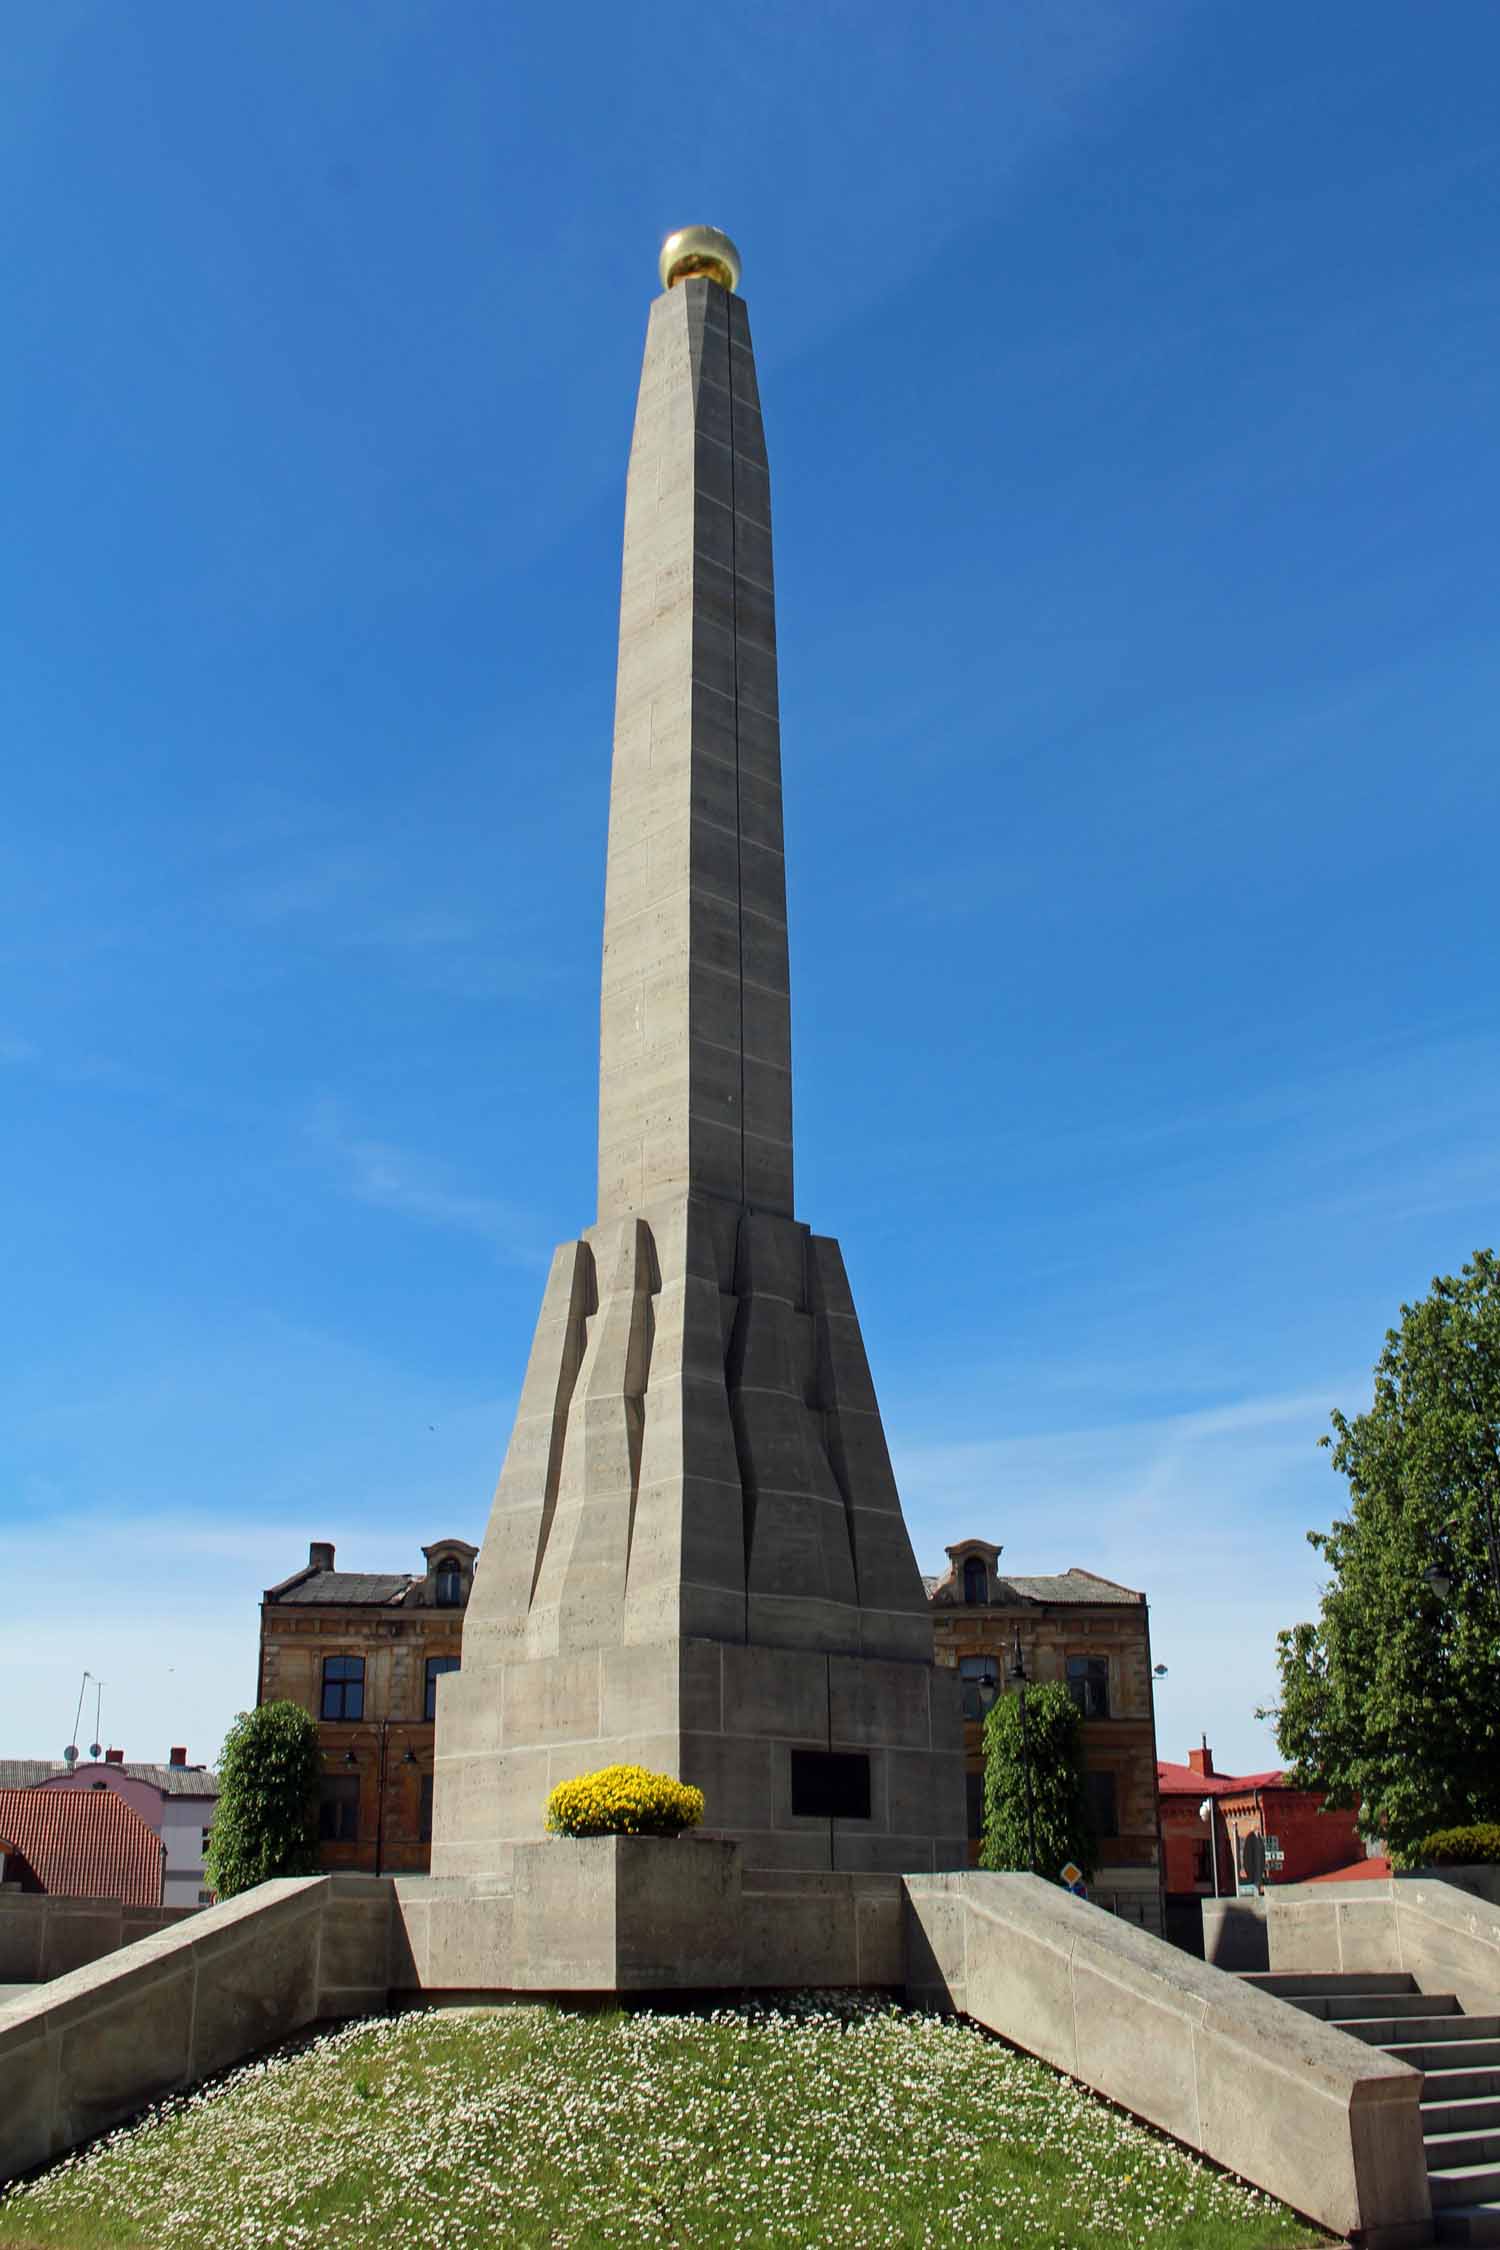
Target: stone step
[
  {"x": 1446, "y": 2085},
  {"x": 1467, "y": 2222},
  {"x": 1464, "y": 2183},
  {"x": 1384, "y": 2031},
  {"x": 1444, "y": 2055},
  {"x": 1349, "y": 2007},
  {"x": 1285, "y": 1984},
  {"x": 1444, "y": 2150},
  {"x": 1479, "y": 2115}
]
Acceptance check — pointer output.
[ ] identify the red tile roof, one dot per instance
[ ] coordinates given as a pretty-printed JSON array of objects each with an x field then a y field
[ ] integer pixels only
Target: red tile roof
[
  {"x": 82, "y": 1843},
  {"x": 1362, "y": 1871},
  {"x": 1185, "y": 1781}
]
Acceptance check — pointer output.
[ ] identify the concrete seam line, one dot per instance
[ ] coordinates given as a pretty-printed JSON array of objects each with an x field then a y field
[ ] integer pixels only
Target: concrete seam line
[
  {"x": 1073, "y": 1997},
  {"x": 192, "y": 2037},
  {"x": 317, "y": 1975}
]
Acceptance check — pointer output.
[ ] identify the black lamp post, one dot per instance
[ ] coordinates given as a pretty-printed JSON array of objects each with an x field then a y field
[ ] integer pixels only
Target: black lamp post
[{"x": 1017, "y": 1678}]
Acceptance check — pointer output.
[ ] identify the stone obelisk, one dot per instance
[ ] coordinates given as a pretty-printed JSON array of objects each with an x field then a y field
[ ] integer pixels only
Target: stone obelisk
[{"x": 696, "y": 1558}]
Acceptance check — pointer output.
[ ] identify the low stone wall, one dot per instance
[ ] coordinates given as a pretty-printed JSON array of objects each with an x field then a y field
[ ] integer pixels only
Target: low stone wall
[
  {"x": 42, "y": 1936},
  {"x": 1329, "y": 2125},
  {"x": 643, "y": 1914},
  {"x": 1442, "y": 1925},
  {"x": 93, "y": 2047},
  {"x": 613, "y": 1914},
  {"x": 1234, "y": 1933}
]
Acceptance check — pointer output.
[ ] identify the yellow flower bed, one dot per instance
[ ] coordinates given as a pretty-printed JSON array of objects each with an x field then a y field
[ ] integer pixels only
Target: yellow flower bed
[{"x": 623, "y": 1801}]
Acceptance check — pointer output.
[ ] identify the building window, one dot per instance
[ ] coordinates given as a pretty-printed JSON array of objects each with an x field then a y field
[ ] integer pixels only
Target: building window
[
  {"x": 343, "y": 1687},
  {"x": 205, "y": 1898},
  {"x": 206, "y": 1835},
  {"x": 1088, "y": 1684},
  {"x": 424, "y": 1812},
  {"x": 1103, "y": 1818},
  {"x": 338, "y": 1808},
  {"x": 436, "y": 1667},
  {"x": 974, "y": 1791},
  {"x": 1202, "y": 1865},
  {"x": 450, "y": 1582},
  {"x": 976, "y": 1581},
  {"x": 980, "y": 1677}
]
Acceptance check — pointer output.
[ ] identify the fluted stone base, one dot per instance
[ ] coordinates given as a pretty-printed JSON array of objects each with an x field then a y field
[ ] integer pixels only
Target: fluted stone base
[{"x": 696, "y": 1561}]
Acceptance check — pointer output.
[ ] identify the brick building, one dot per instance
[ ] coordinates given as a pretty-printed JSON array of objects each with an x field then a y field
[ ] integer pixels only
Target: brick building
[
  {"x": 1303, "y": 1841},
  {"x": 1095, "y": 1636},
  {"x": 363, "y": 1652}
]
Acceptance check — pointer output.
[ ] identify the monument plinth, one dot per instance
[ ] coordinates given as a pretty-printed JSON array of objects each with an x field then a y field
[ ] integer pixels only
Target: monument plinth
[{"x": 696, "y": 1558}]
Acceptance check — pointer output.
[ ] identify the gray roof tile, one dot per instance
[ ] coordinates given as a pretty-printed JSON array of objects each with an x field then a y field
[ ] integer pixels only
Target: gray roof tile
[
  {"x": 344, "y": 1589},
  {"x": 172, "y": 1781}
]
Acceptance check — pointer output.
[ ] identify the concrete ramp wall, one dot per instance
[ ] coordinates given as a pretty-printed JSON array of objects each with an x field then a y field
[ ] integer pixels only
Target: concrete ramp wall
[
  {"x": 92, "y": 2048},
  {"x": 43, "y": 1937},
  {"x": 1441, "y": 1925},
  {"x": 1324, "y": 2122}
]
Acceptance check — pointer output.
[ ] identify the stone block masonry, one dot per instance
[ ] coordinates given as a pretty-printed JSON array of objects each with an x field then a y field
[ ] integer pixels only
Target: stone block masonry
[
  {"x": 1321, "y": 2120},
  {"x": 94, "y": 2047},
  {"x": 696, "y": 1557},
  {"x": 1316, "y": 2117},
  {"x": 43, "y": 1937}
]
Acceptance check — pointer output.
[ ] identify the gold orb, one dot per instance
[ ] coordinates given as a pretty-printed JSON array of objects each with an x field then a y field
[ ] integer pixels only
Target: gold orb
[{"x": 699, "y": 250}]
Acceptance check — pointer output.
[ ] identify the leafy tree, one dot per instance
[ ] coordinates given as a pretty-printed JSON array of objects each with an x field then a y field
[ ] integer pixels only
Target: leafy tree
[
  {"x": 1054, "y": 1751},
  {"x": 266, "y": 1819},
  {"x": 1389, "y": 1701}
]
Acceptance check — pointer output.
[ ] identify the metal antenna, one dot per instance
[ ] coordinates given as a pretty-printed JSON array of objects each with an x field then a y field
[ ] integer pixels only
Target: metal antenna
[{"x": 77, "y": 1715}]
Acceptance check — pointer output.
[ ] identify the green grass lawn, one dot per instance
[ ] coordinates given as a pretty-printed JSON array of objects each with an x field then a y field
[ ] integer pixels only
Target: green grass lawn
[{"x": 808, "y": 2123}]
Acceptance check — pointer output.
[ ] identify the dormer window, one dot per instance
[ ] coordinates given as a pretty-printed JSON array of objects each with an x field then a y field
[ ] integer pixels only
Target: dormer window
[
  {"x": 448, "y": 1583},
  {"x": 976, "y": 1581}
]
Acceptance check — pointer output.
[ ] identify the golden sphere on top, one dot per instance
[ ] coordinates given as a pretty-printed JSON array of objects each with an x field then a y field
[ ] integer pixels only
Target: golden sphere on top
[{"x": 699, "y": 250}]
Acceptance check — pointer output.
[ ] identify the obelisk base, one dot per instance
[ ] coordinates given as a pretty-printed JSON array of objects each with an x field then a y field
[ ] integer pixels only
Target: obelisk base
[{"x": 807, "y": 1761}]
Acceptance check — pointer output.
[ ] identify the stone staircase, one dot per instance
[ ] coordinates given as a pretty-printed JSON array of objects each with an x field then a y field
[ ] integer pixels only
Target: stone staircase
[{"x": 1459, "y": 2057}]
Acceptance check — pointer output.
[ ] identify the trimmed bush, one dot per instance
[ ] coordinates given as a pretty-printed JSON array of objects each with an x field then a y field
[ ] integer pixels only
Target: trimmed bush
[
  {"x": 1478, "y": 1846},
  {"x": 623, "y": 1801},
  {"x": 266, "y": 1819},
  {"x": 1059, "y": 1799}
]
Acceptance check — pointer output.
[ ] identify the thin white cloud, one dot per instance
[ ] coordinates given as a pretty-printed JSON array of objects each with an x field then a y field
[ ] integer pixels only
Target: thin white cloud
[
  {"x": 414, "y": 1187},
  {"x": 1204, "y": 1512}
]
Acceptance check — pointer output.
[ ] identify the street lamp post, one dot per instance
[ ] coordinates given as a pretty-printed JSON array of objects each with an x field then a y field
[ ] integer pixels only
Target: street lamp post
[{"x": 1017, "y": 1677}]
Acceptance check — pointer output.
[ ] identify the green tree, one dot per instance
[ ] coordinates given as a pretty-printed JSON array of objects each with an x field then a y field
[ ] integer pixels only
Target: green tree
[
  {"x": 1389, "y": 1701},
  {"x": 266, "y": 1819},
  {"x": 1059, "y": 1803}
]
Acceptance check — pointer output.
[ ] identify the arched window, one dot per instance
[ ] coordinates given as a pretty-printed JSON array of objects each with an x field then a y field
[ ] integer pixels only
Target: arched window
[
  {"x": 449, "y": 1583},
  {"x": 976, "y": 1581}
]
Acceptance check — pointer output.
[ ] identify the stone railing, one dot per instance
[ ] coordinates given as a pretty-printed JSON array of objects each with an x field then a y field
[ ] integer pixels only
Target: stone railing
[
  {"x": 95, "y": 2046},
  {"x": 44, "y": 1937},
  {"x": 1441, "y": 1924},
  {"x": 1329, "y": 2125}
]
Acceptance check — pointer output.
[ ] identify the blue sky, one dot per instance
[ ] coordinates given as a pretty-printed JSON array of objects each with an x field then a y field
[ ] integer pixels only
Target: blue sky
[{"x": 1130, "y": 388}]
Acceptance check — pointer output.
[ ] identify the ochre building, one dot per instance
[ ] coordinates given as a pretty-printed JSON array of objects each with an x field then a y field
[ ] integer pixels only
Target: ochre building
[
  {"x": 363, "y": 1652},
  {"x": 1094, "y": 1636}
]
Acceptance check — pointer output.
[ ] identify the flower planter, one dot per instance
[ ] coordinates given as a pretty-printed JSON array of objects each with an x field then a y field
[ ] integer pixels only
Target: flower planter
[{"x": 626, "y": 1913}]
